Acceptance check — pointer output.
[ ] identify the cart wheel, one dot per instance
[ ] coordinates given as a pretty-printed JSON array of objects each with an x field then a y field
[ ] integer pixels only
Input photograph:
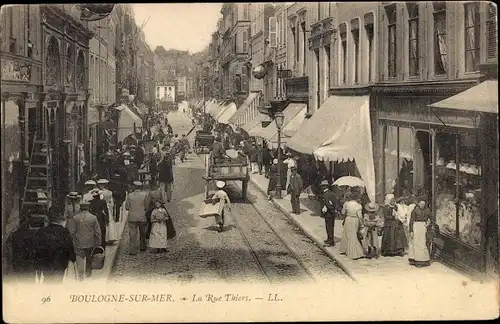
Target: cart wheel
[{"x": 244, "y": 188}]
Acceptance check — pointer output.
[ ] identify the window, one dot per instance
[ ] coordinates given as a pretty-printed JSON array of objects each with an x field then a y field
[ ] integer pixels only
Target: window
[
  {"x": 304, "y": 47},
  {"x": 327, "y": 70},
  {"x": 491, "y": 27},
  {"x": 343, "y": 55},
  {"x": 471, "y": 36},
  {"x": 413, "y": 38},
  {"x": 279, "y": 27},
  {"x": 391, "y": 29},
  {"x": 245, "y": 41},
  {"x": 369, "y": 36},
  {"x": 318, "y": 79},
  {"x": 355, "y": 38},
  {"x": 296, "y": 43},
  {"x": 245, "y": 11},
  {"x": 458, "y": 192},
  {"x": 284, "y": 36},
  {"x": 440, "y": 50}
]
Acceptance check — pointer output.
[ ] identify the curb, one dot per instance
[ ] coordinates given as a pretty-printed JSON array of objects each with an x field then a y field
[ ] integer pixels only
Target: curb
[{"x": 335, "y": 256}]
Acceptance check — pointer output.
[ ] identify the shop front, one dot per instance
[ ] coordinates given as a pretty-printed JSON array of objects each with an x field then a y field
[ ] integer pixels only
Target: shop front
[{"x": 438, "y": 151}]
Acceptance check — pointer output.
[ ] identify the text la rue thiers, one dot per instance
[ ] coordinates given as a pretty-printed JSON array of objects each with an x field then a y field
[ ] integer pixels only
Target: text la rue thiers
[{"x": 232, "y": 298}]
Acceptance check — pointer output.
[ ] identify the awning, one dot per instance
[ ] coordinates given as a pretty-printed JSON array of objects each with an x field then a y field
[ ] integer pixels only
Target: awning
[
  {"x": 126, "y": 122},
  {"x": 229, "y": 111},
  {"x": 216, "y": 110},
  {"x": 340, "y": 131},
  {"x": 482, "y": 98},
  {"x": 289, "y": 129},
  {"x": 289, "y": 113},
  {"x": 236, "y": 117},
  {"x": 257, "y": 121}
]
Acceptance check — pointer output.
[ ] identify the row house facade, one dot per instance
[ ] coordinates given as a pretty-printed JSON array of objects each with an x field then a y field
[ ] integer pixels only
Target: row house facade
[
  {"x": 45, "y": 55},
  {"x": 234, "y": 52}
]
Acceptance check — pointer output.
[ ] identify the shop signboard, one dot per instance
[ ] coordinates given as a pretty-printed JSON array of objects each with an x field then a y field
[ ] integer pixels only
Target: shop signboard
[{"x": 15, "y": 71}]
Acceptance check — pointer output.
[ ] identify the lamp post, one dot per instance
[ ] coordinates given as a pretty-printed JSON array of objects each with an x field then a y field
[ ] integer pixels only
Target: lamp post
[{"x": 278, "y": 118}]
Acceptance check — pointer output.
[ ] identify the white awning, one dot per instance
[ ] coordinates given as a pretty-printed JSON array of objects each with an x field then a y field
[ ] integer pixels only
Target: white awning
[
  {"x": 229, "y": 111},
  {"x": 126, "y": 122},
  {"x": 340, "y": 131},
  {"x": 482, "y": 98},
  {"x": 240, "y": 117}
]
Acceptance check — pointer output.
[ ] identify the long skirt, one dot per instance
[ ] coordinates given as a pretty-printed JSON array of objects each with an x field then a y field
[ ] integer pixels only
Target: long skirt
[
  {"x": 349, "y": 244},
  {"x": 111, "y": 230},
  {"x": 393, "y": 239},
  {"x": 418, "y": 248},
  {"x": 158, "y": 236}
]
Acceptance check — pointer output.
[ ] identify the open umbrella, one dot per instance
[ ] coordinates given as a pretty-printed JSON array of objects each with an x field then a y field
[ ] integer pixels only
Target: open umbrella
[{"x": 349, "y": 181}]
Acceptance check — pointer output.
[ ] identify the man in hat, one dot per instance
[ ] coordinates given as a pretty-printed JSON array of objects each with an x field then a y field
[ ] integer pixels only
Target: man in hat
[
  {"x": 54, "y": 247},
  {"x": 273, "y": 178},
  {"x": 327, "y": 198},
  {"x": 294, "y": 189},
  {"x": 119, "y": 193},
  {"x": 217, "y": 151},
  {"x": 99, "y": 208},
  {"x": 130, "y": 168},
  {"x": 106, "y": 194},
  {"x": 89, "y": 186},
  {"x": 86, "y": 233},
  {"x": 72, "y": 206},
  {"x": 289, "y": 163},
  {"x": 221, "y": 197},
  {"x": 137, "y": 221}
]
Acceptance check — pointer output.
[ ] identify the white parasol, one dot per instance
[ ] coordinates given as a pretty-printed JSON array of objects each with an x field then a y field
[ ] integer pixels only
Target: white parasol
[{"x": 349, "y": 181}]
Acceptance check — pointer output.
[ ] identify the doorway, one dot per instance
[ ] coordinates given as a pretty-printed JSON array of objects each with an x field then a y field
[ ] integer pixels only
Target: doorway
[{"x": 423, "y": 164}]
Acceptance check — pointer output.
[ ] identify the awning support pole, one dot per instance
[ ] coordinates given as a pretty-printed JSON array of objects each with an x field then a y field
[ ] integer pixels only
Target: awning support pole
[{"x": 435, "y": 114}]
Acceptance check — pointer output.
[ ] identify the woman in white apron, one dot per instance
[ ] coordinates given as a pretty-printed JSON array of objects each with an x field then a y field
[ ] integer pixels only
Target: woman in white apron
[{"x": 418, "y": 254}]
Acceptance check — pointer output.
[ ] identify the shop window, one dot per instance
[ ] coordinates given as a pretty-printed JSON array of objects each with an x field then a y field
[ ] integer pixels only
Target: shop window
[
  {"x": 458, "y": 187},
  {"x": 471, "y": 11},
  {"x": 343, "y": 55},
  {"x": 370, "y": 59},
  {"x": 440, "y": 50},
  {"x": 413, "y": 39},
  {"x": 355, "y": 38},
  {"x": 399, "y": 155}
]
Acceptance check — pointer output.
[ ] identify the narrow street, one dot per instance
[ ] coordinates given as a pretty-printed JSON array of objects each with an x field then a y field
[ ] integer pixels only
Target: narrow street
[{"x": 249, "y": 250}]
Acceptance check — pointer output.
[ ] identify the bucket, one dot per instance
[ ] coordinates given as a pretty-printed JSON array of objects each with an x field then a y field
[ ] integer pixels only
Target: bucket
[{"x": 97, "y": 256}]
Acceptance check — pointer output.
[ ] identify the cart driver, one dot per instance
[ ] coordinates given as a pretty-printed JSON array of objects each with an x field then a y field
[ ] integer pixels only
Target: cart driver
[{"x": 222, "y": 198}]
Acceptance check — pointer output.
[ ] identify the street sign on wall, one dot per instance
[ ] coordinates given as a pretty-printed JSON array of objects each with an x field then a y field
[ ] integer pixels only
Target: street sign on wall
[{"x": 284, "y": 74}]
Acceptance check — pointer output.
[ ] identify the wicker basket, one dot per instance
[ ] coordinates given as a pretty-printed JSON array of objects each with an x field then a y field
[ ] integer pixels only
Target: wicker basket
[{"x": 98, "y": 257}]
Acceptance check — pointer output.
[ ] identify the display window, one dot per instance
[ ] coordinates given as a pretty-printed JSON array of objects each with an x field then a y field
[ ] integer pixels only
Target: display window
[
  {"x": 458, "y": 186},
  {"x": 399, "y": 146}
]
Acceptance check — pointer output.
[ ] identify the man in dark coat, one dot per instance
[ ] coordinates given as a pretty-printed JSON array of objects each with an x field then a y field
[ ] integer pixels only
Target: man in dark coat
[
  {"x": 54, "y": 247},
  {"x": 139, "y": 155},
  {"x": 119, "y": 193},
  {"x": 166, "y": 176},
  {"x": 259, "y": 152},
  {"x": 217, "y": 151},
  {"x": 294, "y": 189},
  {"x": 273, "y": 178},
  {"x": 328, "y": 210},
  {"x": 266, "y": 160},
  {"x": 99, "y": 208}
]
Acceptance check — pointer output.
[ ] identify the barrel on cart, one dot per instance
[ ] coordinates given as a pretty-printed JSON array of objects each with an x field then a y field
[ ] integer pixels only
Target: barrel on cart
[{"x": 230, "y": 169}]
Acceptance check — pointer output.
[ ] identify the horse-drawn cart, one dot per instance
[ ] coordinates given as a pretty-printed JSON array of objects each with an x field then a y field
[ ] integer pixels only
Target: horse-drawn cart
[
  {"x": 203, "y": 141},
  {"x": 230, "y": 169}
]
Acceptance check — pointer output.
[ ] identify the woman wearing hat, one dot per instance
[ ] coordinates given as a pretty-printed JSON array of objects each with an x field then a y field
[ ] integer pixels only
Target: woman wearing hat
[
  {"x": 222, "y": 197},
  {"x": 89, "y": 186},
  {"x": 350, "y": 244},
  {"x": 72, "y": 206},
  {"x": 373, "y": 224},
  {"x": 99, "y": 208},
  {"x": 107, "y": 196}
]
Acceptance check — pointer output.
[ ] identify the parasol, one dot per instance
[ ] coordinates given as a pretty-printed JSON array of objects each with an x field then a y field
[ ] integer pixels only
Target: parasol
[{"x": 349, "y": 181}]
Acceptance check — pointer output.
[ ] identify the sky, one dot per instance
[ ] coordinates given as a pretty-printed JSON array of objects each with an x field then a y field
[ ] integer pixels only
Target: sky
[{"x": 182, "y": 26}]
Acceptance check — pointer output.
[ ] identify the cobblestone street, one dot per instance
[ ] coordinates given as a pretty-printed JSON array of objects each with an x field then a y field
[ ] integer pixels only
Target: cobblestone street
[{"x": 248, "y": 250}]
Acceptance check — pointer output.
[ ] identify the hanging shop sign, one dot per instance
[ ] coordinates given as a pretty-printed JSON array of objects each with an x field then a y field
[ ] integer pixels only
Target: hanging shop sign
[
  {"x": 259, "y": 72},
  {"x": 15, "y": 71}
]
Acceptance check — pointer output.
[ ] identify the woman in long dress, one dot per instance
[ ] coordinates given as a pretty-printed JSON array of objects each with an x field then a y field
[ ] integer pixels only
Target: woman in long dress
[
  {"x": 350, "y": 244},
  {"x": 418, "y": 253},
  {"x": 393, "y": 238},
  {"x": 158, "y": 236}
]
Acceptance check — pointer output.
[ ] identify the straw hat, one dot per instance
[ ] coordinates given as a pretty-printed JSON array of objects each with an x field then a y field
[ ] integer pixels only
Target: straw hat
[
  {"x": 275, "y": 161},
  {"x": 324, "y": 183},
  {"x": 137, "y": 183},
  {"x": 220, "y": 184},
  {"x": 372, "y": 207},
  {"x": 102, "y": 181},
  {"x": 73, "y": 195},
  {"x": 90, "y": 183}
]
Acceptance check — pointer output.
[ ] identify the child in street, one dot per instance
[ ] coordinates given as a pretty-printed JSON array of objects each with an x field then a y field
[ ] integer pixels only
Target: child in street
[
  {"x": 221, "y": 197},
  {"x": 158, "y": 236}
]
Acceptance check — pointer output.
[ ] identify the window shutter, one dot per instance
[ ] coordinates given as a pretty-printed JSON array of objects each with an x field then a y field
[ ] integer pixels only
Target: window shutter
[
  {"x": 273, "y": 39},
  {"x": 245, "y": 41},
  {"x": 278, "y": 34},
  {"x": 492, "y": 32},
  {"x": 285, "y": 26}
]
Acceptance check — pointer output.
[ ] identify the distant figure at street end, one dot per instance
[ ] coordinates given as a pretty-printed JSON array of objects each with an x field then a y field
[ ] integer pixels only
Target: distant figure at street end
[
  {"x": 137, "y": 221},
  {"x": 54, "y": 247},
  {"x": 221, "y": 197},
  {"x": 86, "y": 233}
]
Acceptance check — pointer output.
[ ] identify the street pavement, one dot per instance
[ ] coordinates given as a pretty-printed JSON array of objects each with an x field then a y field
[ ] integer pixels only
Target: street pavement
[{"x": 248, "y": 250}]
